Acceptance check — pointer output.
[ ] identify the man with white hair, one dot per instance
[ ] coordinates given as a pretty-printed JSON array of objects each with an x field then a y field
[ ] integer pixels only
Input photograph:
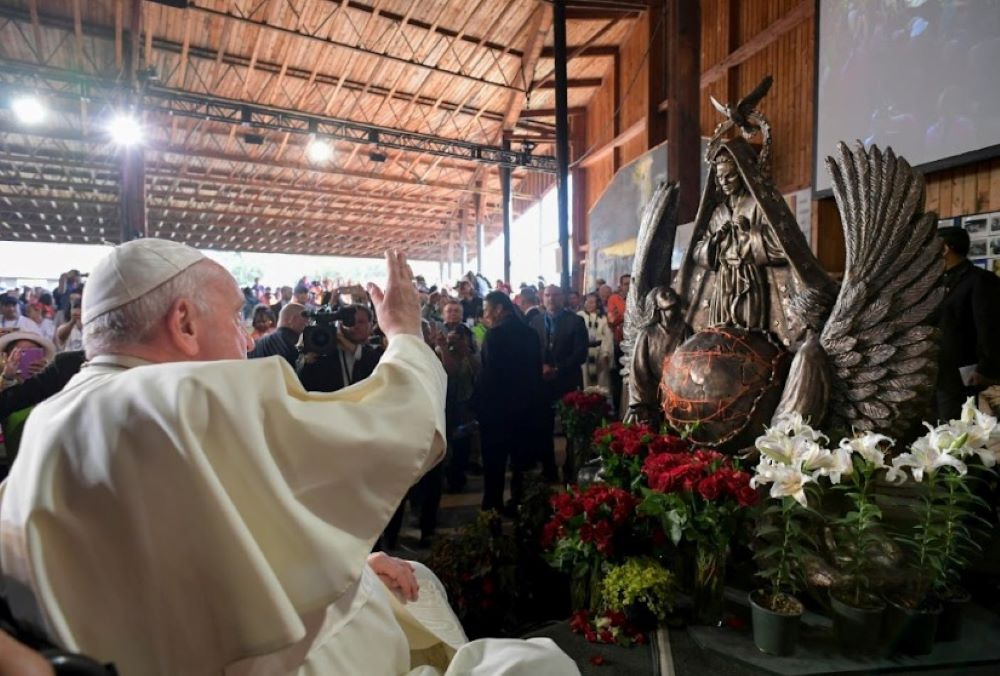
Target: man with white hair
[{"x": 179, "y": 510}]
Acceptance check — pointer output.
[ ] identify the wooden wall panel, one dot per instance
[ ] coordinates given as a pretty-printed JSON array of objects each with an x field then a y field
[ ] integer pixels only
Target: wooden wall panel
[
  {"x": 635, "y": 72},
  {"x": 600, "y": 130},
  {"x": 972, "y": 189}
]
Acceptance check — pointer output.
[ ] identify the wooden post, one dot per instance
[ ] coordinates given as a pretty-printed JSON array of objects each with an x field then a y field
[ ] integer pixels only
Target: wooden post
[{"x": 683, "y": 100}]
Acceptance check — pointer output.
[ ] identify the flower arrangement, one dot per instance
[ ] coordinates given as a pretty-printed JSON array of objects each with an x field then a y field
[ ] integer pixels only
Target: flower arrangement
[
  {"x": 639, "y": 583},
  {"x": 587, "y": 524},
  {"x": 700, "y": 497},
  {"x": 794, "y": 458},
  {"x": 623, "y": 448},
  {"x": 583, "y": 411},
  {"x": 944, "y": 539}
]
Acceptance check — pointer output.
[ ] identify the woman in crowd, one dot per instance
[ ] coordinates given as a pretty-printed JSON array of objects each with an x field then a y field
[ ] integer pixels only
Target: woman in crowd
[
  {"x": 262, "y": 322},
  {"x": 597, "y": 368}
]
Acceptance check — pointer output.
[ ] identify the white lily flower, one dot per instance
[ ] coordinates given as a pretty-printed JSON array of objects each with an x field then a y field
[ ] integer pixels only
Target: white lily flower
[
  {"x": 867, "y": 446},
  {"x": 981, "y": 432},
  {"x": 790, "y": 481},
  {"x": 928, "y": 454},
  {"x": 819, "y": 461},
  {"x": 777, "y": 447},
  {"x": 792, "y": 424}
]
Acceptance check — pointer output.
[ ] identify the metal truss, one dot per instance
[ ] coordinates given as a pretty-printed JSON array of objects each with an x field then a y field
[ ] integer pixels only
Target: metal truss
[{"x": 59, "y": 83}]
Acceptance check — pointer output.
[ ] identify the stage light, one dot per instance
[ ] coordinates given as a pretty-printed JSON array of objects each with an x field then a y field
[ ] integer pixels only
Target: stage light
[
  {"x": 319, "y": 151},
  {"x": 28, "y": 110},
  {"x": 125, "y": 130}
]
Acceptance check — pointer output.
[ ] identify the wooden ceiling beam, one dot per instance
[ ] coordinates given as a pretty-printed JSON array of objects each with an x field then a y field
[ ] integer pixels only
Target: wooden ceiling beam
[
  {"x": 440, "y": 30},
  {"x": 551, "y": 112},
  {"x": 606, "y": 14},
  {"x": 582, "y": 51},
  {"x": 219, "y": 56},
  {"x": 384, "y": 56},
  {"x": 573, "y": 83}
]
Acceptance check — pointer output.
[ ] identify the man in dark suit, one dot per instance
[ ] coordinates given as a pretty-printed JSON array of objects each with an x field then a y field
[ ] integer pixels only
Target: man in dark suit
[
  {"x": 509, "y": 398},
  {"x": 565, "y": 350},
  {"x": 285, "y": 339},
  {"x": 969, "y": 321}
]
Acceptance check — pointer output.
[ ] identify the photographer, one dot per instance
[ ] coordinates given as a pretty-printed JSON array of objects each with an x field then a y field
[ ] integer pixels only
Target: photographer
[{"x": 336, "y": 352}]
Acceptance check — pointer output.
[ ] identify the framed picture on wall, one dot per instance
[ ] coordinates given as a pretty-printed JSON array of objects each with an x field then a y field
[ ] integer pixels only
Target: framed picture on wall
[
  {"x": 976, "y": 226},
  {"x": 995, "y": 223},
  {"x": 995, "y": 246}
]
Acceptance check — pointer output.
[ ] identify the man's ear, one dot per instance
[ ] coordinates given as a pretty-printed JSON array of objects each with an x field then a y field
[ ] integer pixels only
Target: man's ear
[{"x": 182, "y": 327}]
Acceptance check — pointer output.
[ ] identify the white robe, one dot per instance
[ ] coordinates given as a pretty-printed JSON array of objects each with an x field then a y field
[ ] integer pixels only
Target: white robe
[{"x": 215, "y": 518}]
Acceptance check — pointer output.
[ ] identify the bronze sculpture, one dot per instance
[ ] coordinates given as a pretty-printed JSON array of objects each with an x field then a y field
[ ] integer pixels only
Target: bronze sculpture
[{"x": 861, "y": 354}]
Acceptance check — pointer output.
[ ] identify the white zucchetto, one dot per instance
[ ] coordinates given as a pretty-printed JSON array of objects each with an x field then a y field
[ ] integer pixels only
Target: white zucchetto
[{"x": 132, "y": 270}]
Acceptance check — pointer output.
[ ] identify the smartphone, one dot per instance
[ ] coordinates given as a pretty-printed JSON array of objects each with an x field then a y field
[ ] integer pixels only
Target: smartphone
[{"x": 28, "y": 357}]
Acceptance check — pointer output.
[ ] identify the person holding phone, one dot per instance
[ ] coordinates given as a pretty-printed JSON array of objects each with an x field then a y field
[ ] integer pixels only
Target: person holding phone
[
  {"x": 69, "y": 336},
  {"x": 25, "y": 355}
]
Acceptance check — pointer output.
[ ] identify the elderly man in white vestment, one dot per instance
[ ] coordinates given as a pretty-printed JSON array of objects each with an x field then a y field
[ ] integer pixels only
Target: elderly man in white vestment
[{"x": 180, "y": 511}]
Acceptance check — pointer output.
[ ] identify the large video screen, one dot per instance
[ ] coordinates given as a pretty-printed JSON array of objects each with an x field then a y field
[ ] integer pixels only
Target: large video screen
[{"x": 921, "y": 76}]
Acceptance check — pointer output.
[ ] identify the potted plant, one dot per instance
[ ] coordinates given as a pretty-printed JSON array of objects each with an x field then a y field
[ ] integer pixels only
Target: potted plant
[
  {"x": 858, "y": 540},
  {"x": 943, "y": 537},
  {"x": 791, "y": 459}
]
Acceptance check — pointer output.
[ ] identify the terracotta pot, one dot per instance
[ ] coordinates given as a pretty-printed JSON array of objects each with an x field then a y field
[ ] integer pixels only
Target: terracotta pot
[
  {"x": 858, "y": 630},
  {"x": 774, "y": 633}
]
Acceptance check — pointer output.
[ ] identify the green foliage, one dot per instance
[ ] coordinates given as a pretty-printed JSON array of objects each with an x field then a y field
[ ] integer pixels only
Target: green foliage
[
  {"x": 784, "y": 541},
  {"x": 639, "y": 581},
  {"x": 857, "y": 533},
  {"x": 945, "y": 538}
]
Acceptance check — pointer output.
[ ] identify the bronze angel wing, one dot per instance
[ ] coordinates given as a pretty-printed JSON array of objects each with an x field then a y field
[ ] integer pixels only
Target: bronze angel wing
[
  {"x": 879, "y": 340},
  {"x": 654, "y": 248}
]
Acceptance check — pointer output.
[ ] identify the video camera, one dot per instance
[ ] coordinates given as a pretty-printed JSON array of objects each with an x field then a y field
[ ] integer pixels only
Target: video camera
[{"x": 320, "y": 336}]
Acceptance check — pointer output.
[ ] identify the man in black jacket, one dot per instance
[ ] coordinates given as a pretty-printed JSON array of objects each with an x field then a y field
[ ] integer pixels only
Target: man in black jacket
[
  {"x": 565, "y": 351},
  {"x": 285, "y": 339},
  {"x": 509, "y": 398},
  {"x": 969, "y": 321}
]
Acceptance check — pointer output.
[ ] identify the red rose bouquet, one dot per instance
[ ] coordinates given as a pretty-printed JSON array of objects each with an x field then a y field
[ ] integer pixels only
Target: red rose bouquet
[
  {"x": 582, "y": 412},
  {"x": 700, "y": 498},
  {"x": 624, "y": 447}
]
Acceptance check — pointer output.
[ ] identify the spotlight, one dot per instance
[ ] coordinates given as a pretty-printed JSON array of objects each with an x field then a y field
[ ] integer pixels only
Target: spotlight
[
  {"x": 28, "y": 110},
  {"x": 319, "y": 151},
  {"x": 125, "y": 130}
]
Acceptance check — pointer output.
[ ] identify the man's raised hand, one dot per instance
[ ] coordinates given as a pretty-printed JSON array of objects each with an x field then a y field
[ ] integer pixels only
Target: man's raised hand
[{"x": 398, "y": 307}]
